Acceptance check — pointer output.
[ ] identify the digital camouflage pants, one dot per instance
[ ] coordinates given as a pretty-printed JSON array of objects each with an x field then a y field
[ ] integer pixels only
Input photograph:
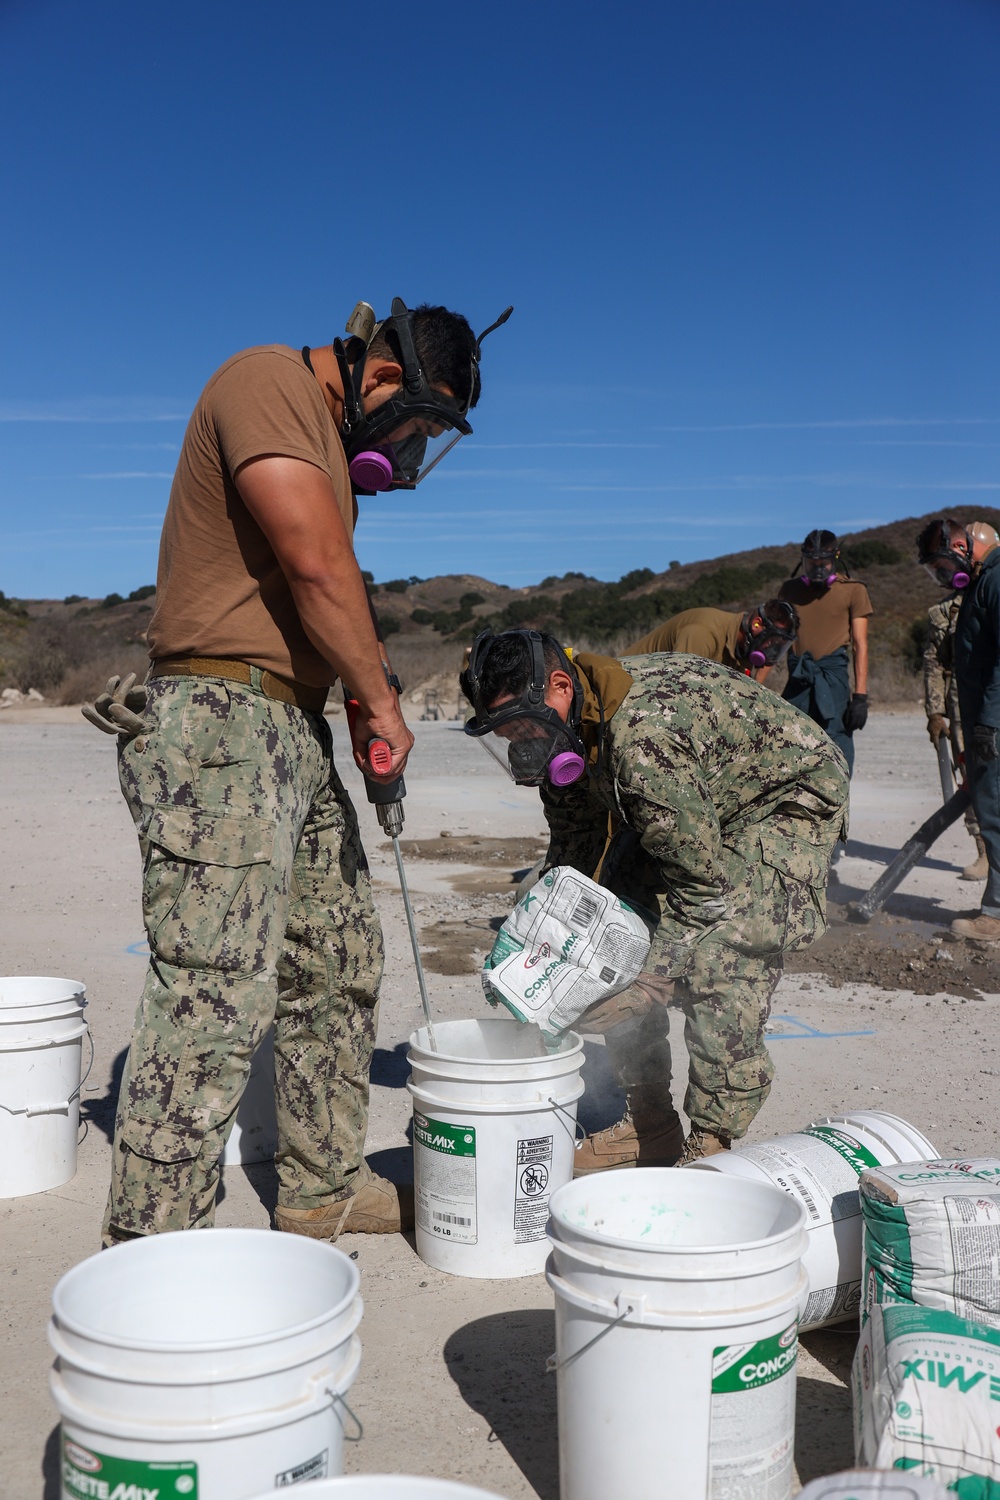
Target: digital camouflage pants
[
  {"x": 777, "y": 873},
  {"x": 258, "y": 909}
]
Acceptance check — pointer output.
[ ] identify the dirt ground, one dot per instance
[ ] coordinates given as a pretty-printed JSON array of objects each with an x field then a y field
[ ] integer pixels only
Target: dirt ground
[{"x": 872, "y": 1017}]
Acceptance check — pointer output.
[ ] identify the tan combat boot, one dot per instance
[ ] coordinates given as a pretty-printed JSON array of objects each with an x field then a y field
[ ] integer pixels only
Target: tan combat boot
[
  {"x": 378, "y": 1207},
  {"x": 986, "y": 929},
  {"x": 701, "y": 1143},
  {"x": 980, "y": 868},
  {"x": 650, "y": 1134}
]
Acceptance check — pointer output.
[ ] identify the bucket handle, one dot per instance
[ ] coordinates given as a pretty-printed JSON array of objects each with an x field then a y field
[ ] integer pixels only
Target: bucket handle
[
  {"x": 30, "y": 1110},
  {"x": 348, "y": 1438},
  {"x": 578, "y": 1139},
  {"x": 553, "y": 1364}
]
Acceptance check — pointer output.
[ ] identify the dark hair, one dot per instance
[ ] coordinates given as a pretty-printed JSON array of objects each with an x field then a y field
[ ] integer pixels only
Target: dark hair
[
  {"x": 820, "y": 541},
  {"x": 446, "y": 347},
  {"x": 939, "y": 536},
  {"x": 780, "y": 614},
  {"x": 506, "y": 667}
]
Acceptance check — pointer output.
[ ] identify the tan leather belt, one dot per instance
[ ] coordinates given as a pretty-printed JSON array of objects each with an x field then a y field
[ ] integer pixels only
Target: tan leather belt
[{"x": 284, "y": 689}]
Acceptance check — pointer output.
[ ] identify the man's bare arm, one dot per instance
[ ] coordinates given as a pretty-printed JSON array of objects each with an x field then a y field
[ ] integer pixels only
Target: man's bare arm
[
  {"x": 859, "y": 649},
  {"x": 294, "y": 504}
]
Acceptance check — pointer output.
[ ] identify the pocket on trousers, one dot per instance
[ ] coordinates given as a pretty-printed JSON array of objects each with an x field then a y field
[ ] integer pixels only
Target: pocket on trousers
[
  {"x": 164, "y": 1143},
  {"x": 803, "y": 868},
  {"x": 207, "y": 894}
]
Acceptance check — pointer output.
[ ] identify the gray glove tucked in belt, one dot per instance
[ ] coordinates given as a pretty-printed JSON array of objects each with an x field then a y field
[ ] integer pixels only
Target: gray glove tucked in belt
[{"x": 119, "y": 709}]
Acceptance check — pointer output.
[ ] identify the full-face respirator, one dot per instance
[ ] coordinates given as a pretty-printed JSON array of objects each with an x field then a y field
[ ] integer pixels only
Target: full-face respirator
[
  {"x": 528, "y": 739},
  {"x": 769, "y": 631},
  {"x": 397, "y": 444},
  {"x": 820, "y": 555},
  {"x": 945, "y": 552}
]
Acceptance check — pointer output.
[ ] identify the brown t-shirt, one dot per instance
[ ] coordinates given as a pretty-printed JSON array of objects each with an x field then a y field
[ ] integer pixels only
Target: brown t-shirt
[
  {"x": 220, "y": 590},
  {"x": 699, "y": 632},
  {"x": 825, "y": 614}
]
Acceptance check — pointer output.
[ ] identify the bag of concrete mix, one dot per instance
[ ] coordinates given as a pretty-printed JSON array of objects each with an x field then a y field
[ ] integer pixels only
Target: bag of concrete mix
[
  {"x": 926, "y": 1391},
  {"x": 932, "y": 1236},
  {"x": 566, "y": 945},
  {"x": 874, "y": 1484}
]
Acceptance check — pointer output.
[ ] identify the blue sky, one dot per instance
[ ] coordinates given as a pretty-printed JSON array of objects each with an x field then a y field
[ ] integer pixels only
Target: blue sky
[{"x": 753, "y": 248}]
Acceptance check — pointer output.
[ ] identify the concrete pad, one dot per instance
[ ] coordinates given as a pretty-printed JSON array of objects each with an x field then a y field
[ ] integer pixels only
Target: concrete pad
[{"x": 452, "y": 1381}]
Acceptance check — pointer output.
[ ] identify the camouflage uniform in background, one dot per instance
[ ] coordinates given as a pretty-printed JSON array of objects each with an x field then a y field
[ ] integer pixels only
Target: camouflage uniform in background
[
  {"x": 258, "y": 908},
  {"x": 727, "y": 803},
  {"x": 940, "y": 689}
]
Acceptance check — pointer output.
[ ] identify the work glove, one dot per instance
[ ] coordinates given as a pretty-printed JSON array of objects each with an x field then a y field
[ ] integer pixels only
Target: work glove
[
  {"x": 631, "y": 1004},
  {"x": 984, "y": 742},
  {"x": 937, "y": 725},
  {"x": 856, "y": 715},
  {"x": 119, "y": 709}
]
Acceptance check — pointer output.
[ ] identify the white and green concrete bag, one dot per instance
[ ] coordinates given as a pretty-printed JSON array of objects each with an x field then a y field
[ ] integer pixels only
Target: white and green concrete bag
[
  {"x": 926, "y": 1389},
  {"x": 568, "y": 944},
  {"x": 932, "y": 1236}
]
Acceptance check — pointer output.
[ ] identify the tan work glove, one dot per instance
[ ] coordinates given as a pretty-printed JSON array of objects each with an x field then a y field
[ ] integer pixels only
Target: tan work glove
[
  {"x": 628, "y": 1005},
  {"x": 119, "y": 709},
  {"x": 937, "y": 725}
]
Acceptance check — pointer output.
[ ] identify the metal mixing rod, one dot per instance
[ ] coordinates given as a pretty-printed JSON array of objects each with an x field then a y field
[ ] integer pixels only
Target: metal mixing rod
[{"x": 387, "y": 799}]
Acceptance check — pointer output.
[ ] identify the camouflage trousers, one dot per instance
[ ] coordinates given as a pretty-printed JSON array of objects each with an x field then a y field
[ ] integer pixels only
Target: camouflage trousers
[
  {"x": 258, "y": 909},
  {"x": 777, "y": 873}
]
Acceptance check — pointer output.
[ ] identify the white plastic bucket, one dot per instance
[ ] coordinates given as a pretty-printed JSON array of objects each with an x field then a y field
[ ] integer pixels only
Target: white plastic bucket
[
  {"x": 677, "y": 1295},
  {"x": 494, "y": 1128},
  {"x": 389, "y": 1487},
  {"x": 254, "y": 1136},
  {"x": 41, "y": 1052},
  {"x": 206, "y": 1364},
  {"x": 820, "y": 1166}
]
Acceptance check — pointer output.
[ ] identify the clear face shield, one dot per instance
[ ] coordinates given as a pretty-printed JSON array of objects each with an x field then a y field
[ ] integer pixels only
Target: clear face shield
[
  {"x": 770, "y": 632},
  {"x": 531, "y": 747},
  {"x": 949, "y": 570},
  {"x": 820, "y": 567}
]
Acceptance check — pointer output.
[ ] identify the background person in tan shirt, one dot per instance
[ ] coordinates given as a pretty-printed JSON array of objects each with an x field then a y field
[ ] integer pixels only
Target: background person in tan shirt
[
  {"x": 833, "y": 614},
  {"x": 256, "y": 894},
  {"x": 747, "y": 642}
]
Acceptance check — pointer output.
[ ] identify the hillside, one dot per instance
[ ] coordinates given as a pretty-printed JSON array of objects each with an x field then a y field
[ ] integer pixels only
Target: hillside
[{"x": 66, "y": 649}]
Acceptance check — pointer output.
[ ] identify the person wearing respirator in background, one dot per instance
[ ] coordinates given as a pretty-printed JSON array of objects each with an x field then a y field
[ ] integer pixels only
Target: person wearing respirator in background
[
  {"x": 746, "y": 642},
  {"x": 977, "y": 673},
  {"x": 256, "y": 893},
  {"x": 726, "y": 804},
  {"x": 833, "y": 614},
  {"x": 945, "y": 551}
]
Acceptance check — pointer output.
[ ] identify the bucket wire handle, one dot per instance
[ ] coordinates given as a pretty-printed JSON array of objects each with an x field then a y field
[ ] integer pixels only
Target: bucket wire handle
[
  {"x": 54, "y": 1109},
  {"x": 578, "y": 1140},
  {"x": 554, "y": 1364},
  {"x": 336, "y": 1396}
]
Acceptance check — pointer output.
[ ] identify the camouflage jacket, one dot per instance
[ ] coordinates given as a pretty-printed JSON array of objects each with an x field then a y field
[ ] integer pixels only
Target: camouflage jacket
[
  {"x": 695, "y": 760},
  {"x": 940, "y": 692}
]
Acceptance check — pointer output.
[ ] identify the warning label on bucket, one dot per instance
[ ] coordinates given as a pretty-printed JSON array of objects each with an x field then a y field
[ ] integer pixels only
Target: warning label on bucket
[
  {"x": 444, "y": 1163},
  {"x": 753, "y": 1418},
  {"x": 88, "y": 1475},
  {"x": 531, "y": 1189}
]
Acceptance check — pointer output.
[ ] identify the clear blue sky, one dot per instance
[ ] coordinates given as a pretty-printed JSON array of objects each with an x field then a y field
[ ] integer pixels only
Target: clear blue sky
[{"x": 753, "y": 247}]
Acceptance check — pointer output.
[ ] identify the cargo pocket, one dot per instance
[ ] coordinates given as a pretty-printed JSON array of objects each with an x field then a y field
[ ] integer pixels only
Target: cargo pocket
[
  {"x": 208, "y": 889},
  {"x": 165, "y": 1143},
  {"x": 802, "y": 869}
]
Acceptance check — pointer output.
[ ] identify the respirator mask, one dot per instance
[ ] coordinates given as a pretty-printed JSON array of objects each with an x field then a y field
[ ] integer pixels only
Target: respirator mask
[
  {"x": 768, "y": 632},
  {"x": 946, "y": 554},
  {"x": 397, "y": 444},
  {"x": 526, "y": 738}
]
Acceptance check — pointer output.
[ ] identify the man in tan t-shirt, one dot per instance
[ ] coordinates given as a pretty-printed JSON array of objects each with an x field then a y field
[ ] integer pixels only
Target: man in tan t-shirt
[
  {"x": 834, "y": 611},
  {"x": 745, "y": 642},
  {"x": 256, "y": 894}
]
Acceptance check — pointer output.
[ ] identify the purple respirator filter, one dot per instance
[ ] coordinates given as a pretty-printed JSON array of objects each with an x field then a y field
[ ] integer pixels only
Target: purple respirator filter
[
  {"x": 371, "y": 470},
  {"x": 565, "y": 768},
  {"x": 758, "y": 659},
  {"x": 829, "y": 580},
  {"x": 961, "y": 580}
]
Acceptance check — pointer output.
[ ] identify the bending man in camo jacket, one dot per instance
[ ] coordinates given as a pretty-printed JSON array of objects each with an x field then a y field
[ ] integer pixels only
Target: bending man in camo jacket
[{"x": 725, "y": 804}]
